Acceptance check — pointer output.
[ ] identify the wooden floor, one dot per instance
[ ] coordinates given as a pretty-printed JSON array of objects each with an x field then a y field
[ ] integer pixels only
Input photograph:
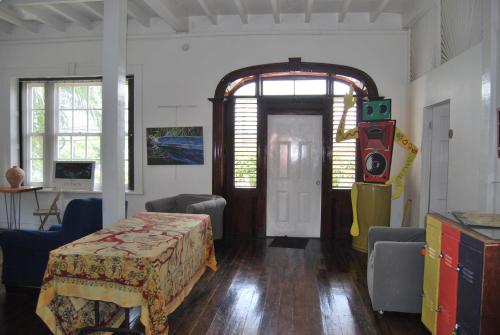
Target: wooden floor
[{"x": 261, "y": 290}]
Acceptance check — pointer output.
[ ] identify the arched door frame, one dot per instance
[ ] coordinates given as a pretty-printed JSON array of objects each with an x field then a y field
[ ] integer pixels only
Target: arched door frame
[{"x": 222, "y": 102}]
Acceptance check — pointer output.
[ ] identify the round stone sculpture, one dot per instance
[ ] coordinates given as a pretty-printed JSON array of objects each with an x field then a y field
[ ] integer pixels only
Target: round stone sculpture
[{"x": 15, "y": 176}]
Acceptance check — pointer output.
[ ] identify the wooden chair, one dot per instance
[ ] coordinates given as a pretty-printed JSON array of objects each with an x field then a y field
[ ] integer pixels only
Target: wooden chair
[{"x": 44, "y": 214}]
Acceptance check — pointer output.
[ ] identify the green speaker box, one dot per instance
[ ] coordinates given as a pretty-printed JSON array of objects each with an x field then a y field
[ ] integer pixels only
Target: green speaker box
[{"x": 376, "y": 110}]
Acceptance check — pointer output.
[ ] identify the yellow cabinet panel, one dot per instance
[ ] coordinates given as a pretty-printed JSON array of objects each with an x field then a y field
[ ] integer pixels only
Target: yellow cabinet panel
[{"x": 431, "y": 273}]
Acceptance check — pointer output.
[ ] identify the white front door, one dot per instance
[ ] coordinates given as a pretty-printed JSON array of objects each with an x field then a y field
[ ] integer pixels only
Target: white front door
[
  {"x": 438, "y": 183},
  {"x": 294, "y": 175}
]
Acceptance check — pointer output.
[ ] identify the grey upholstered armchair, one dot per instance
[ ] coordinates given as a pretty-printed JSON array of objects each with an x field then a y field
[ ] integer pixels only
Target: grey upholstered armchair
[
  {"x": 193, "y": 203},
  {"x": 395, "y": 269}
]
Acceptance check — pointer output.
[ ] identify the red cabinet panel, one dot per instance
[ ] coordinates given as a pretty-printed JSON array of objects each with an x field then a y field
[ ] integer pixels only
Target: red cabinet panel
[{"x": 448, "y": 280}]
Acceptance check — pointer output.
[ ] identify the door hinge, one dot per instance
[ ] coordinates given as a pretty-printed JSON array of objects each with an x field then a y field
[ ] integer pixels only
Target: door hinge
[{"x": 450, "y": 134}]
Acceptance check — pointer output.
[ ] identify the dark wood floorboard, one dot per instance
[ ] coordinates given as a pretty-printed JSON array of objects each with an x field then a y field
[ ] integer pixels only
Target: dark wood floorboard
[{"x": 261, "y": 291}]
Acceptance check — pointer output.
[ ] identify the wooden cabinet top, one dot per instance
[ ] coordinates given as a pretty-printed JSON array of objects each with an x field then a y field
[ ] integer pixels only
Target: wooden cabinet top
[{"x": 484, "y": 234}]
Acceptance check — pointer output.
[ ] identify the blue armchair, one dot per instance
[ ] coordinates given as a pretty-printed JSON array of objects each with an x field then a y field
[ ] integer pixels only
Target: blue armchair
[{"x": 26, "y": 252}]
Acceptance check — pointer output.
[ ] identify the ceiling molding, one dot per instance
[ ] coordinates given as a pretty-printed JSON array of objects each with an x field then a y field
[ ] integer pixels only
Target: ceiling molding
[
  {"x": 415, "y": 10},
  {"x": 139, "y": 14},
  {"x": 242, "y": 11},
  {"x": 72, "y": 15},
  {"x": 208, "y": 11},
  {"x": 380, "y": 8},
  {"x": 46, "y": 16},
  {"x": 6, "y": 27},
  {"x": 169, "y": 14},
  {"x": 276, "y": 11},
  {"x": 93, "y": 8},
  {"x": 11, "y": 17},
  {"x": 345, "y": 8},
  {"x": 309, "y": 7}
]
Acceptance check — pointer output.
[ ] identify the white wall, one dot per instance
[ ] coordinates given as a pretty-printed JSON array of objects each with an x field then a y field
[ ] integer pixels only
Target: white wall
[
  {"x": 458, "y": 81},
  {"x": 170, "y": 77}
]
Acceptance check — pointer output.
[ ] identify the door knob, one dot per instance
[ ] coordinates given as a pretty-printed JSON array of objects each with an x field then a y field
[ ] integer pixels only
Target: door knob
[{"x": 318, "y": 182}]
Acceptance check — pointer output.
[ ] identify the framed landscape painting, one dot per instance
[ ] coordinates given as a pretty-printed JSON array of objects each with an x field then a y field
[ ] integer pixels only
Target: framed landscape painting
[{"x": 175, "y": 146}]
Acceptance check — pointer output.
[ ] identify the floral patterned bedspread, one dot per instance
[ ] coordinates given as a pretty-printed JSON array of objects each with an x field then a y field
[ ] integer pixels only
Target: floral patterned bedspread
[{"x": 151, "y": 260}]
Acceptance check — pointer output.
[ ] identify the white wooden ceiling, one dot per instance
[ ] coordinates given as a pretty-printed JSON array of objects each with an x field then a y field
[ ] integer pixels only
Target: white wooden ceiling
[{"x": 32, "y": 15}]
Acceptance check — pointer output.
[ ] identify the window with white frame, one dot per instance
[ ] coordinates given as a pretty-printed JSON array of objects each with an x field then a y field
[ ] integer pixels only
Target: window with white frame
[{"x": 62, "y": 120}]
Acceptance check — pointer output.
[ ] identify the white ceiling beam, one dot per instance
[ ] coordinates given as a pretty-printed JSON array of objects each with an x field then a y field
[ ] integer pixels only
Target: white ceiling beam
[
  {"x": 169, "y": 14},
  {"x": 380, "y": 8},
  {"x": 139, "y": 14},
  {"x": 12, "y": 18},
  {"x": 72, "y": 15},
  {"x": 6, "y": 27},
  {"x": 46, "y": 16},
  {"x": 208, "y": 11},
  {"x": 276, "y": 11},
  {"x": 309, "y": 7},
  {"x": 345, "y": 8},
  {"x": 242, "y": 11},
  {"x": 93, "y": 8}
]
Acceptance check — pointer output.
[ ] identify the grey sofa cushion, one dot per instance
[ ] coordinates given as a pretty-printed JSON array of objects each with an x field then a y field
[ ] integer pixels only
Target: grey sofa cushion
[
  {"x": 212, "y": 205},
  {"x": 395, "y": 269}
]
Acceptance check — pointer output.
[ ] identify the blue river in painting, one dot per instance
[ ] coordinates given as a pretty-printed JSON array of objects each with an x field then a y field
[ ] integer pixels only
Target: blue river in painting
[{"x": 182, "y": 149}]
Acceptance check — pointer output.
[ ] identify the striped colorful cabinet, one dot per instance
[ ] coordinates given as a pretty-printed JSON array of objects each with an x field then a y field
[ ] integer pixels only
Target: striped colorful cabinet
[
  {"x": 462, "y": 284},
  {"x": 431, "y": 270}
]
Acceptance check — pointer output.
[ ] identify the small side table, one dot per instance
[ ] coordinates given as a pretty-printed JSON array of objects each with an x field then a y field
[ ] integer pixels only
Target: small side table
[{"x": 13, "y": 209}]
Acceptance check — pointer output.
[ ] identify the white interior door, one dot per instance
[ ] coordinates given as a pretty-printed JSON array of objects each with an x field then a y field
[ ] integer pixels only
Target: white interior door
[
  {"x": 294, "y": 175},
  {"x": 438, "y": 183}
]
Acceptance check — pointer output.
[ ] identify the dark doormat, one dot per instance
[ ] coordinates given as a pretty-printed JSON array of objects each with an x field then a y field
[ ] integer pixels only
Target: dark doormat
[{"x": 289, "y": 242}]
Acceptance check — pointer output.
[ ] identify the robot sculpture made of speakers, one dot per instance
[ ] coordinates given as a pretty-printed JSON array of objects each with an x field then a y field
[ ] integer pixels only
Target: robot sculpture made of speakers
[{"x": 376, "y": 133}]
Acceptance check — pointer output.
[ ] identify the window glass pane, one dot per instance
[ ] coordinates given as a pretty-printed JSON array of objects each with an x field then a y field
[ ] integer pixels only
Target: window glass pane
[
  {"x": 125, "y": 155},
  {"x": 80, "y": 97},
  {"x": 248, "y": 89},
  {"x": 278, "y": 87},
  {"x": 80, "y": 121},
  {"x": 36, "y": 169},
  {"x": 38, "y": 121},
  {"x": 64, "y": 147},
  {"x": 125, "y": 118},
  {"x": 98, "y": 173},
  {"x": 95, "y": 97},
  {"x": 340, "y": 88},
  {"x": 343, "y": 153},
  {"x": 38, "y": 97},
  {"x": 126, "y": 97},
  {"x": 65, "y": 121},
  {"x": 310, "y": 87},
  {"x": 245, "y": 143},
  {"x": 65, "y": 97},
  {"x": 78, "y": 146},
  {"x": 37, "y": 147},
  {"x": 125, "y": 170},
  {"x": 95, "y": 121},
  {"x": 93, "y": 147}
]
